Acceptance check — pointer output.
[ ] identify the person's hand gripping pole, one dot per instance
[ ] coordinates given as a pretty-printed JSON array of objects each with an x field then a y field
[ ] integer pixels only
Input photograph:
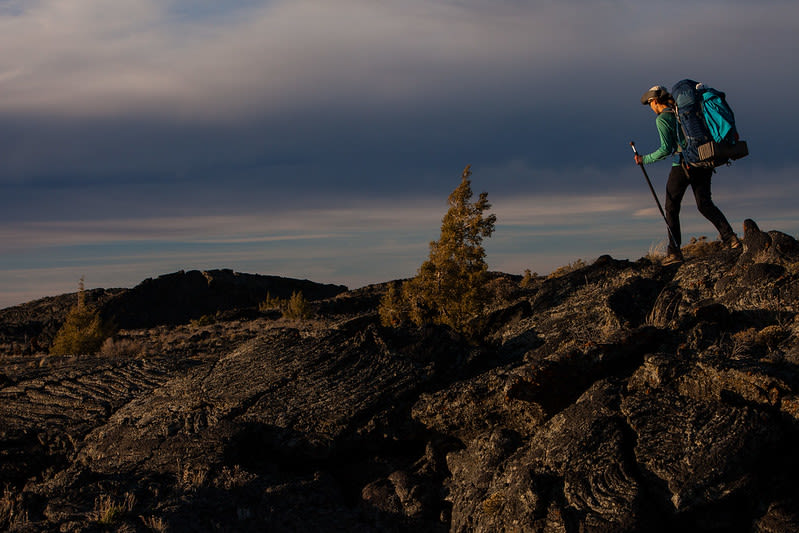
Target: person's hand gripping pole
[{"x": 639, "y": 160}]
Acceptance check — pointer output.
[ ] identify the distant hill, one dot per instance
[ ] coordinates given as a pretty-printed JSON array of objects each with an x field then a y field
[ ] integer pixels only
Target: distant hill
[
  {"x": 170, "y": 299},
  {"x": 616, "y": 396}
]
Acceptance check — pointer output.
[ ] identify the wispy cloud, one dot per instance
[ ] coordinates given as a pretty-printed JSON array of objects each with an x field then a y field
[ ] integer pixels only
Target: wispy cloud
[
  {"x": 272, "y": 226},
  {"x": 353, "y": 245},
  {"x": 365, "y": 217}
]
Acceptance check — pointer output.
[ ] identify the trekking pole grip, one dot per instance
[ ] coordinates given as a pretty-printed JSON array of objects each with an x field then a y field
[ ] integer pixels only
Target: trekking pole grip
[{"x": 672, "y": 240}]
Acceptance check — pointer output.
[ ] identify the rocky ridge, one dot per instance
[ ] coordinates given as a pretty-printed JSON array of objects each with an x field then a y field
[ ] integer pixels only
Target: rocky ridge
[
  {"x": 168, "y": 300},
  {"x": 621, "y": 396}
]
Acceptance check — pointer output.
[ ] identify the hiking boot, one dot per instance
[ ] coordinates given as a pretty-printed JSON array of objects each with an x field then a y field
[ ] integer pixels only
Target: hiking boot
[
  {"x": 734, "y": 242},
  {"x": 672, "y": 259}
]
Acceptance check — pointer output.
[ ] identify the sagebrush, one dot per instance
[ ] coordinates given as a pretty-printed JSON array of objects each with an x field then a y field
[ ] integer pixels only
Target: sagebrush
[{"x": 297, "y": 307}]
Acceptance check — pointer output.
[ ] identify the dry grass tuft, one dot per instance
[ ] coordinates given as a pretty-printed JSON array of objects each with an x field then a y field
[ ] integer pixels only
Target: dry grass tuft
[
  {"x": 701, "y": 247},
  {"x": 742, "y": 342},
  {"x": 568, "y": 269},
  {"x": 12, "y": 514},
  {"x": 192, "y": 478},
  {"x": 155, "y": 523},
  {"x": 657, "y": 251},
  {"x": 231, "y": 478},
  {"x": 108, "y": 510},
  {"x": 120, "y": 348}
]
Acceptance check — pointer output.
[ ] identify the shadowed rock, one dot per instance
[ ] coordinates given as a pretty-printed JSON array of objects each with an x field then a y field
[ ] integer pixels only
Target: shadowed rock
[
  {"x": 182, "y": 296},
  {"x": 755, "y": 241},
  {"x": 772, "y": 246}
]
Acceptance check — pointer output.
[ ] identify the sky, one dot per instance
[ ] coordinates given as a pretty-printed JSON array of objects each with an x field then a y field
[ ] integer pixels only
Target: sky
[{"x": 319, "y": 139}]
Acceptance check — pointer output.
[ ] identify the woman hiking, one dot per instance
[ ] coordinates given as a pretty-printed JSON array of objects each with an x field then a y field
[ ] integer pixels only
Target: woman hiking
[{"x": 681, "y": 176}]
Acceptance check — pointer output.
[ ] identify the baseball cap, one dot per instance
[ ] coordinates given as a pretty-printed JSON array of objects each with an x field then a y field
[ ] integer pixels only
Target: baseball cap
[{"x": 658, "y": 91}]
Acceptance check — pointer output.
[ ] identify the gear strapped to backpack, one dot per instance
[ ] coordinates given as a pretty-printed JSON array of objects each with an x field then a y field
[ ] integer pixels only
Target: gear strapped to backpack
[{"x": 708, "y": 124}]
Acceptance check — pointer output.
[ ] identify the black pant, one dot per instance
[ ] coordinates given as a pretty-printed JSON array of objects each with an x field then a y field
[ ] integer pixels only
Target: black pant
[{"x": 699, "y": 180}]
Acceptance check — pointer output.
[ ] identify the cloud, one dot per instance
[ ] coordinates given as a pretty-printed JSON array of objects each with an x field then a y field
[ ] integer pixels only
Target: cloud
[
  {"x": 90, "y": 58},
  {"x": 176, "y": 92},
  {"x": 269, "y": 226},
  {"x": 86, "y": 57}
]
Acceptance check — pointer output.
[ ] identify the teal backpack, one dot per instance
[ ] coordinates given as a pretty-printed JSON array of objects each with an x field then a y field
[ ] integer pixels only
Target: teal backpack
[{"x": 708, "y": 123}]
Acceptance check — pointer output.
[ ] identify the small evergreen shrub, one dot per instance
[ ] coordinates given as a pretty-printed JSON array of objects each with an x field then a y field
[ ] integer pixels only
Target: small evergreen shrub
[
  {"x": 393, "y": 309},
  {"x": 83, "y": 331},
  {"x": 294, "y": 308},
  {"x": 529, "y": 279},
  {"x": 297, "y": 307}
]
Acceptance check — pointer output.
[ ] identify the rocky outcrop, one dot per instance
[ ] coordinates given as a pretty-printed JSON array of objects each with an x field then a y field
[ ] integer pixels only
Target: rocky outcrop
[
  {"x": 177, "y": 298},
  {"x": 170, "y": 300},
  {"x": 46, "y": 416},
  {"x": 622, "y": 396}
]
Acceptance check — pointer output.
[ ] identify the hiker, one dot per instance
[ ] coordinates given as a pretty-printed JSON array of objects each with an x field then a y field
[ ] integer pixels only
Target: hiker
[{"x": 681, "y": 175}]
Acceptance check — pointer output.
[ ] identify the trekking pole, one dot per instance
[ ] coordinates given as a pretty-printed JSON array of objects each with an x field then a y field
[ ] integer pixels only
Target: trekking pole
[{"x": 649, "y": 182}]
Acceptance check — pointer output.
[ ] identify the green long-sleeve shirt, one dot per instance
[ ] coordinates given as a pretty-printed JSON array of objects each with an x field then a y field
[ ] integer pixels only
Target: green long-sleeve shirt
[{"x": 670, "y": 136}]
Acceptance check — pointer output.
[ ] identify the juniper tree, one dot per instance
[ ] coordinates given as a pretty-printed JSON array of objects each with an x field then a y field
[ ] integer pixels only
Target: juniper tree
[
  {"x": 83, "y": 331},
  {"x": 450, "y": 287}
]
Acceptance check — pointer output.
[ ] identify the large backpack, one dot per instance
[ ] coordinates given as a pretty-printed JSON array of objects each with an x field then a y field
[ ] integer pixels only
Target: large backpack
[{"x": 708, "y": 124}]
